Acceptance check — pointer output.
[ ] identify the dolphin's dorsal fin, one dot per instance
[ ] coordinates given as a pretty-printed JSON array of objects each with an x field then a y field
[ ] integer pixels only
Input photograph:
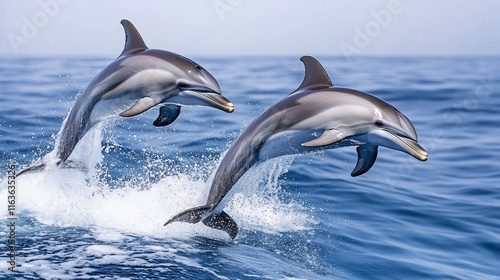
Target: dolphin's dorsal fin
[
  {"x": 315, "y": 77},
  {"x": 133, "y": 39}
]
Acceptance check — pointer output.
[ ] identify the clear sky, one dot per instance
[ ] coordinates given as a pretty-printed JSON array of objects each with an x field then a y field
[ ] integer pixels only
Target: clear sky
[{"x": 253, "y": 27}]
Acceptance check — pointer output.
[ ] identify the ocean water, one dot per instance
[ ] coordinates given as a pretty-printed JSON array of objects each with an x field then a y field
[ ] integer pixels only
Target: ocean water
[{"x": 300, "y": 217}]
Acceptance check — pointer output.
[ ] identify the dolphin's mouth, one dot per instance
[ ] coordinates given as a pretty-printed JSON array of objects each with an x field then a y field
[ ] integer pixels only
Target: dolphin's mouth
[
  {"x": 216, "y": 100},
  {"x": 203, "y": 95},
  {"x": 203, "y": 98},
  {"x": 413, "y": 148}
]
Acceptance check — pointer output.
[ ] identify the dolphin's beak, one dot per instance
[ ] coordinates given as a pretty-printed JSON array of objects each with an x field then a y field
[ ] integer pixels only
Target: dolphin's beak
[
  {"x": 204, "y": 95},
  {"x": 210, "y": 93},
  {"x": 397, "y": 141},
  {"x": 216, "y": 101},
  {"x": 410, "y": 147}
]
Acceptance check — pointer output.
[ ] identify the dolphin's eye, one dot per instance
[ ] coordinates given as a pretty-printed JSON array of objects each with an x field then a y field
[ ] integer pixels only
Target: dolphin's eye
[
  {"x": 182, "y": 85},
  {"x": 379, "y": 124}
]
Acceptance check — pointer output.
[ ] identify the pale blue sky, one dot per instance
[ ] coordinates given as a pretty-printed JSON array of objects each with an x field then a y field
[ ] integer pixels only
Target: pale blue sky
[{"x": 253, "y": 27}]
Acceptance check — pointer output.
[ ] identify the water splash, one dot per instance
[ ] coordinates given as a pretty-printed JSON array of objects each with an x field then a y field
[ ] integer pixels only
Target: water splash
[
  {"x": 259, "y": 203},
  {"x": 82, "y": 197}
]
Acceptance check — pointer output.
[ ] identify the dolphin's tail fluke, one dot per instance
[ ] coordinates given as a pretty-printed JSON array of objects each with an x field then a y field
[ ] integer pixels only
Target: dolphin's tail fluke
[
  {"x": 221, "y": 221},
  {"x": 34, "y": 168},
  {"x": 39, "y": 166},
  {"x": 192, "y": 215}
]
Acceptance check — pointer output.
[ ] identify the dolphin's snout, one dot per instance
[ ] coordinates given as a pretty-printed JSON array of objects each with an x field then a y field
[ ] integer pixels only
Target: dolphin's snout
[
  {"x": 207, "y": 94},
  {"x": 218, "y": 101},
  {"x": 204, "y": 90},
  {"x": 201, "y": 98},
  {"x": 413, "y": 148},
  {"x": 397, "y": 140}
]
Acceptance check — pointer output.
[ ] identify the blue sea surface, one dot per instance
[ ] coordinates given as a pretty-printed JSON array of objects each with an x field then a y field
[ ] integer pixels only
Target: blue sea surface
[{"x": 300, "y": 217}]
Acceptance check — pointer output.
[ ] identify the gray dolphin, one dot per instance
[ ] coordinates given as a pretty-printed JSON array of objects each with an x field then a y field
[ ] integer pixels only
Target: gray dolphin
[
  {"x": 316, "y": 116},
  {"x": 139, "y": 79}
]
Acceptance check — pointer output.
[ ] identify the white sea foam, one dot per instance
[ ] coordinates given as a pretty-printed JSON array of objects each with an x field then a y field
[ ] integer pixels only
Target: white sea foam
[
  {"x": 77, "y": 197},
  {"x": 258, "y": 202}
]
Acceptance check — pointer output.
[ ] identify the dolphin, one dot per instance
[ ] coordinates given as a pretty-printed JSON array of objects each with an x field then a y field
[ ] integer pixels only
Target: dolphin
[
  {"x": 138, "y": 80},
  {"x": 317, "y": 115}
]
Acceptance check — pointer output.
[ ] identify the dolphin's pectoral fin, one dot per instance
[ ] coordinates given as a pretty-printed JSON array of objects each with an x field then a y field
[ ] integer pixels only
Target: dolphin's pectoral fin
[
  {"x": 315, "y": 77},
  {"x": 367, "y": 154},
  {"x": 168, "y": 114},
  {"x": 192, "y": 215},
  {"x": 140, "y": 106},
  {"x": 133, "y": 39},
  {"x": 329, "y": 136},
  {"x": 222, "y": 221}
]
